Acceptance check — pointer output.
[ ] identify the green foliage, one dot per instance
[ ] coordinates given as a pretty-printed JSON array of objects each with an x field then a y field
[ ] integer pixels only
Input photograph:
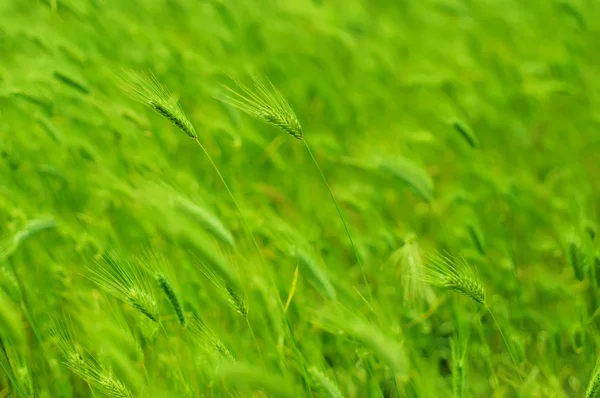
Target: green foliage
[{"x": 438, "y": 126}]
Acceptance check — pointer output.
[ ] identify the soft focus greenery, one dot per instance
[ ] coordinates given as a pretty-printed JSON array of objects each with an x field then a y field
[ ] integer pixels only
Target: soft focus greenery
[{"x": 466, "y": 127}]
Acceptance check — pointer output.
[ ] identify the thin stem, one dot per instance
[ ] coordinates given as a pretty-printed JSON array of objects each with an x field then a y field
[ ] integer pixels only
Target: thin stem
[
  {"x": 233, "y": 199},
  {"x": 505, "y": 342},
  {"x": 241, "y": 213},
  {"x": 424, "y": 316},
  {"x": 254, "y": 338},
  {"x": 488, "y": 352},
  {"x": 13, "y": 381},
  {"x": 343, "y": 220}
]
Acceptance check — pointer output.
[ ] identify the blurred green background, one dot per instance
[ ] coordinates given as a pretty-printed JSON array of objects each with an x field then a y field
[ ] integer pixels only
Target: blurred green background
[{"x": 465, "y": 126}]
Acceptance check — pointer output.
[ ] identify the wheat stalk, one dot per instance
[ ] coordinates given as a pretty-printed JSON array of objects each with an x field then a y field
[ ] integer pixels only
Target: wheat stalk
[
  {"x": 267, "y": 104},
  {"x": 458, "y": 349},
  {"x": 457, "y": 275}
]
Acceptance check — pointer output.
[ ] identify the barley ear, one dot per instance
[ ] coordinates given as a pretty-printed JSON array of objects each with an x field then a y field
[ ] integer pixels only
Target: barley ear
[
  {"x": 127, "y": 283},
  {"x": 237, "y": 302},
  {"x": 228, "y": 291},
  {"x": 265, "y": 103},
  {"x": 85, "y": 366},
  {"x": 455, "y": 274},
  {"x": 147, "y": 90},
  {"x": 209, "y": 340}
]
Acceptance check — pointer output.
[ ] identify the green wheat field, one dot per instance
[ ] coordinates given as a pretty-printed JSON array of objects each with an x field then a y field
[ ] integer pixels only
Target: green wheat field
[{"x": 299, "y": 198}]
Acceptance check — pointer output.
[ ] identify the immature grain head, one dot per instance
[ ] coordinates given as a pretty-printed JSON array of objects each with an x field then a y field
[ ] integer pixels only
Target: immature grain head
[
  {"x": 165, "y": 285},
  {"x": 84, "y": 365},
  {"x": 266, "y": 104},
  {"x": 158, "y": 267},
  {"x": 235, "y": 300},
  {"x": 210, "y": 342},
  {"x": 456, "y": 274},
  {"x": 127, "y": 283},
  {"x": 410, "y": 263},
  {"x": 9, "y": 243},
  {"x": 146, "y": 89}
]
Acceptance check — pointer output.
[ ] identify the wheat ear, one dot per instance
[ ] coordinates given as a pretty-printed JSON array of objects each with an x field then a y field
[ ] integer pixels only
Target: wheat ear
[
  {"x": 125, "y": 282},
  {"x": 165, "y": 285},
  {"x": 159, "y": 268},
  {"x": 146, "y": 89},
  {"x": 80, "y": 363}
]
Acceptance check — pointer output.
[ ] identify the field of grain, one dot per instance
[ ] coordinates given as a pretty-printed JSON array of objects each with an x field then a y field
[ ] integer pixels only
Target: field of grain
[{"x": 299, "y": 198}]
